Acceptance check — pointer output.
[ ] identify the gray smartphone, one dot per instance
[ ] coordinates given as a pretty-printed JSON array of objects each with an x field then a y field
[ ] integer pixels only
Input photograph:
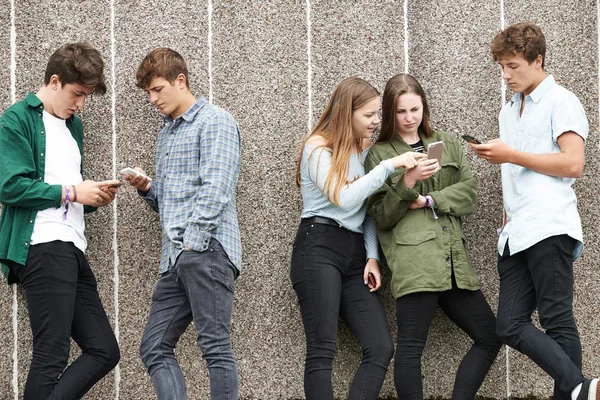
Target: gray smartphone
[{"x": 435, "y": 150}]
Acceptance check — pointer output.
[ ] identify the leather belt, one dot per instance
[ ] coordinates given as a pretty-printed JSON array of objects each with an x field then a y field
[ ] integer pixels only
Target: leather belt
[{"x": 321, "y": 220}]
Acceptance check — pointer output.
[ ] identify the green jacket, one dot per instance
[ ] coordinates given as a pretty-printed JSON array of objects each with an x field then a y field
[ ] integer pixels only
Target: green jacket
[
  {"x": 23, "y": 191},
  {"x": 419, "y": 249}
]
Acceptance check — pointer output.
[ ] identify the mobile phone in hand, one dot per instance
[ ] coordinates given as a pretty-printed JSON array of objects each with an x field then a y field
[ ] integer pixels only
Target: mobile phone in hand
[
  {"x": 372, "y": 280},
  {"x": 471, "y": 139},
  {"x": 435, "y": 151},
  {"x": 133, "y": 172}
]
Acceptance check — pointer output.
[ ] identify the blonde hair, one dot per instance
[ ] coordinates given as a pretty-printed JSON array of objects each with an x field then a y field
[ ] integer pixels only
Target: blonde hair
[{"x": 335, "y": 126}]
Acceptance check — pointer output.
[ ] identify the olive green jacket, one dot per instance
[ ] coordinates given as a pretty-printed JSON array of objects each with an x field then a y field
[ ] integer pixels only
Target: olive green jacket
[{"x": 419, "y": 249}]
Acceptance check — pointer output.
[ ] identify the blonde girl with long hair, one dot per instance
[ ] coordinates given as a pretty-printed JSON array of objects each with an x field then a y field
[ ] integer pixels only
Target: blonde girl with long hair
[{"x": 335, "y": 268}]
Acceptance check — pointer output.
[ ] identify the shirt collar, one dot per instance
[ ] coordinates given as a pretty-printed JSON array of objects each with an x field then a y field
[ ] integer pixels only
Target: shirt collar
[
  {"x": 33, "y": 101},
  {"x": 538, "y": 92},
  {"x": 191, "y": 112}
]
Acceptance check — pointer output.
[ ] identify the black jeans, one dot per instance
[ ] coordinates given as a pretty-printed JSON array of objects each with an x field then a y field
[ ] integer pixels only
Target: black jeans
[
  {"x": 63, "y": 302},
  {"x": 467, "y": 309},
  {"x": 327, "y": 274},
  {"x": 542, "y": 277}
]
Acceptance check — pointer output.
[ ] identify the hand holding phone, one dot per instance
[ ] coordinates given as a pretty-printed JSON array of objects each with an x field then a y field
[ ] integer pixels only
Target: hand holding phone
[
  {"x": 471, "y": 139},
  {"x": 372, "y": 280},
  {"x": 137, "y": 179},
  {"x": 133, "y": 172}
]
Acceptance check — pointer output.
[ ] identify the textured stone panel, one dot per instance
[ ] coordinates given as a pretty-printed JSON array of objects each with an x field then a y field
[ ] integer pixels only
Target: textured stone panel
[
  {"x": 449, "y": 56},
  {"x": 367, "y": 40},
  {"x": 571, "y": 34},
  {"x": 6, "y": 292},
  {"x": 41, "y": 28},
  {"x": 260, "y": 66},
  {"x": 140, "y": 27}
]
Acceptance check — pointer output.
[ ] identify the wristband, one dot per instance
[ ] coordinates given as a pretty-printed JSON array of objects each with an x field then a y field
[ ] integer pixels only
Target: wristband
[
  {"x": 74, "y": 194},
  {"x": 429, "y": 203},
  {"x": 67, "y": 201}
]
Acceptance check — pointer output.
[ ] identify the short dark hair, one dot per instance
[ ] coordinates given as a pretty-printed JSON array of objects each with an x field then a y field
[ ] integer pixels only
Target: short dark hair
[
  {"x": 161, "y": 62},
  {"x": 524, "y": 38},
  {"x": 77, "y": 63}
]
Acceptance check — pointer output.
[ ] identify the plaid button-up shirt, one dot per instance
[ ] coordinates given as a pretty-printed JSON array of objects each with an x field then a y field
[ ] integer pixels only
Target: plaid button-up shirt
[{"x": 197, "y": 169}]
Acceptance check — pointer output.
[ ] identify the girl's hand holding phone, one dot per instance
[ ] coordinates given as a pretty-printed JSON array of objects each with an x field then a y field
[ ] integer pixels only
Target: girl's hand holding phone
[
  {"x": 372, "y": 275},
  {"x": 425, "y": 170},
  {"x": 408, "y": 160}
]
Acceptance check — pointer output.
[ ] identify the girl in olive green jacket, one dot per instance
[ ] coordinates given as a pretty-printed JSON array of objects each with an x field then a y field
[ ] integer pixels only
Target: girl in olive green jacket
[{"x": 418, "y": 217}]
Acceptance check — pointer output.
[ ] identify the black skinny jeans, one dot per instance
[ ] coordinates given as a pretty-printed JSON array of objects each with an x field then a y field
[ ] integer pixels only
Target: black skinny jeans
[
  {"x": 470, "y": 311},
  {"x": 542, "y": 277},
  {"x": 327, "y": 274},
  {"x": 63, "y": 302}
]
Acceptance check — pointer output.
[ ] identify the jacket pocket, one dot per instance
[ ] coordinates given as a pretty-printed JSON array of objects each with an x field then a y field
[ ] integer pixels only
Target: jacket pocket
[
  {"x": 449, "y": 174},
  {"x": 414, "y": 238}
]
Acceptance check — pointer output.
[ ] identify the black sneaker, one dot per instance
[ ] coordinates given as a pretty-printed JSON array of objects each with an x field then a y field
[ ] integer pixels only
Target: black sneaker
[{"x": 590, "y": 390}]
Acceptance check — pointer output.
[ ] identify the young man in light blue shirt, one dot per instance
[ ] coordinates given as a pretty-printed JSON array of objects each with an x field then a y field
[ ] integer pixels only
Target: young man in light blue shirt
[
  {"x": 197, "y": 169},
  {"x": 543, "y": 129}
]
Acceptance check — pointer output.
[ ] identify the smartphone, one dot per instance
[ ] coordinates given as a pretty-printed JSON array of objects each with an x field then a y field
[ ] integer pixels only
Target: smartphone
[
  {"x": 435, "y": 151},
  {"x": 133, "y": 172},
  {"x": 471, "y": 139},
  {"x": 116, "y": 185},
  {"x": 372, "y": 280}
]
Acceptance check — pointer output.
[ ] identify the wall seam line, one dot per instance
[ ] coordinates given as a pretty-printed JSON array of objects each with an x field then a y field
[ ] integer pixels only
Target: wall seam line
[
  {"x": 15, "y": 304},
  {"x": 209, "y": 10},
  {"x": 405, "y": 36},
  {"x": 502, "y": 102},
  {"x": 113, "y": 77},
  {"x": 309, "y": 72}
]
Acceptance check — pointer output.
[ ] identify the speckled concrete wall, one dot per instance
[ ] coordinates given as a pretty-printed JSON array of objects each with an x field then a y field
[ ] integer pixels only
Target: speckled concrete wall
[{"x": 275, "y": 80}]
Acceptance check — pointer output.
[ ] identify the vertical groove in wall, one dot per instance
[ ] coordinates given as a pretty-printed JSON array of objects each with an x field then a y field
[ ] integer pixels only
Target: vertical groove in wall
[
  {"x": 309, "y": 66},
  {"x": 113, "y": 77},
  {"x": 406, "y": 36},
  {"x": 13, "y": 95},
  {"x": 210, "y": 49},
  {"x": 502, "y": 101},
  {"x": 15, "y": 380}
]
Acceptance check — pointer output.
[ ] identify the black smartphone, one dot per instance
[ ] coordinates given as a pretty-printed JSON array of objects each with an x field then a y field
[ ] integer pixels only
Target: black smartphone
[{"x": 471, "y": 139}]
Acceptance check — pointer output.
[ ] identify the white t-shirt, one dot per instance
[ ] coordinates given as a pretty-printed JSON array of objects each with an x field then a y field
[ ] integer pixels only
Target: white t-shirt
[{"x": 63, "y": 162}]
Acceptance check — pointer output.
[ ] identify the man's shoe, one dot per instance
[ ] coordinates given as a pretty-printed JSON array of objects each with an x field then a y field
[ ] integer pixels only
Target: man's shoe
[
  {"x": 590, "y": 390},
  {"x": 594, "y": 390}
]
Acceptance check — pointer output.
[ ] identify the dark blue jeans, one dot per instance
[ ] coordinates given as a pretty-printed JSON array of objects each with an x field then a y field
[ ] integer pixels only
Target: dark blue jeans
[
  {"x": 327, "y": 274},
  {"x": 542, "y": 277},
  {"x": 63, "y": 302},
  {"x": 198, "y": 287}
]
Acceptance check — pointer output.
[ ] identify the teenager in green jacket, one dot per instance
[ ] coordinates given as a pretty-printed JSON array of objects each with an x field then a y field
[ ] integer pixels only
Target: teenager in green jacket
[
  {"x": 42, "y": 241},
  {"x": 418, "y": 217}
]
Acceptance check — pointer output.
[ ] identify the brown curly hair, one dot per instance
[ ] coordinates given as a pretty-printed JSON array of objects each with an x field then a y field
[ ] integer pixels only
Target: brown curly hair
[{"x": 524, "y": 38}]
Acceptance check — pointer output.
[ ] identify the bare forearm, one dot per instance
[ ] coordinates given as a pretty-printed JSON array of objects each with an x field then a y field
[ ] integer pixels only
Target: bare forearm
[{"x": 561, "y": 165}]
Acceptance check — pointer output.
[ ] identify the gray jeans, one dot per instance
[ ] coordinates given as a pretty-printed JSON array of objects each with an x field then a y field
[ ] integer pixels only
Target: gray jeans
[{"x": 198, "y": 287}]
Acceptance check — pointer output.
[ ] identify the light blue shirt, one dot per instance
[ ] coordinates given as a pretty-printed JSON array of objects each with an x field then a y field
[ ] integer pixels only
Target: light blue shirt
[
  {"x": 539, "y": 206},
  {"x": 351, "y": 213},
  {"x": 197, "y": 169}
]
